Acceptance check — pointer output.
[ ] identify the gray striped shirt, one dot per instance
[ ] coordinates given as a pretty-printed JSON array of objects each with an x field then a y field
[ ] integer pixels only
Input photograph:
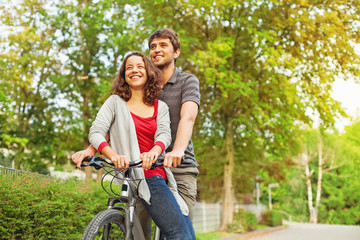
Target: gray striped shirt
[{"x": 180, "y": 88}]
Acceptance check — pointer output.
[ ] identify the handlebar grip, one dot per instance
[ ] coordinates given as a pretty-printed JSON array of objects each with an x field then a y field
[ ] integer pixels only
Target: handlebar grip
[
  {"x": 97, "y": 162},
  {"x": 159, "y": 162}
]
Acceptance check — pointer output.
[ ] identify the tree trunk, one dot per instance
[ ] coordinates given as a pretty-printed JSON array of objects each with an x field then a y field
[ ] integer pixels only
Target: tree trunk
[
  {"x": 88, "y": 170},
  {"x": 305, "y": 159},
  {"x": 228, "y": 200},
  {"x": 99, "y": 174},
  {"x": 319, "y": 182}
]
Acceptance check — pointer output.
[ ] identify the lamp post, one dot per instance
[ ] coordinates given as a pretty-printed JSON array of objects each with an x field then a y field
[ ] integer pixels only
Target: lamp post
[
  {"x": 269, "y": 190},
  {"x": 258, "y": 181}
]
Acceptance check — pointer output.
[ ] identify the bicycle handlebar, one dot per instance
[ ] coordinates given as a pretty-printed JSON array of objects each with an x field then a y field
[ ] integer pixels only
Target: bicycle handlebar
[{"x": 97, "y": 162}]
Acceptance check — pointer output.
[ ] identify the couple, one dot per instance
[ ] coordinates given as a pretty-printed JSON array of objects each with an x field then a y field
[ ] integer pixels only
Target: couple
[{"x": 134, "y": 117}]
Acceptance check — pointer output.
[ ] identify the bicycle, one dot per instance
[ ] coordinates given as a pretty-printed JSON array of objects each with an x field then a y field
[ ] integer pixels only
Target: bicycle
[{"x": 117, "y": 222}]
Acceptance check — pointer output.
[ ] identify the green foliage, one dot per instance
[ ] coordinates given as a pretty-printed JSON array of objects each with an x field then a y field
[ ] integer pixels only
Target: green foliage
[
  {"x": 36, "y": 207},
  {"x": 59, "y": 168},
  {"x": 339, "y": 203},
  {"x": 244, "y": 221},
  {"x": 265, "y": 69},
  {"x": 271, "y": 218},
  {"x": 261, "y": 66},
  {"x": 5, "y": 160}
]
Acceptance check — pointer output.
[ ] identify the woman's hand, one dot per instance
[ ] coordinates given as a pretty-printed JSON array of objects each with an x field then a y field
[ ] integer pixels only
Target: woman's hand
[
  {"x": 148, "y": 158},
  {"x": 80, "y": 155},
  {"x": 120, "y": 161}
]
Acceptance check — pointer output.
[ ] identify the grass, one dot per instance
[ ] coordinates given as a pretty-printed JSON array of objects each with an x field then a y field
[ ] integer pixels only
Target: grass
[
  {"x": 218, "y": 234},
  {"x": 260, "y": 226},
  {"x": 211, "y": 235}
]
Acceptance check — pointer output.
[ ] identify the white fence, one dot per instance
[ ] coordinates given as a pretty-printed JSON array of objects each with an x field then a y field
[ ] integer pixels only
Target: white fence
[{"x": 207, "y": 216}]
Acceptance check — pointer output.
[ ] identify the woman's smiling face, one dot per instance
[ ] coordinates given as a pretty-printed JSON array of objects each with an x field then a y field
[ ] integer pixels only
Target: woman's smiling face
[{"x": 135, "y": 72}]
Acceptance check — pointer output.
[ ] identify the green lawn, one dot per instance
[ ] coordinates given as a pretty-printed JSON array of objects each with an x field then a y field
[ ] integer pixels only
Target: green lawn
[
  {"x": 211, "y": 235},
  {"x": 217, "y": 235}
]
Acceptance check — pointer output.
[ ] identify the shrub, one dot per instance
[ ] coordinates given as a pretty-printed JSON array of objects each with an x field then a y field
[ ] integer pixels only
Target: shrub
[
  {"x": 243, "y": 222},
  {"x": 271, "y": 218},
  {"x": 36, "y": 207},
  {"x": 59, "y": 168}
]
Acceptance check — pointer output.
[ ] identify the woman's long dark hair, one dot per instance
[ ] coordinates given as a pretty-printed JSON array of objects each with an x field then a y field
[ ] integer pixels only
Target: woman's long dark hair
[{"x": 151, "y": 88}]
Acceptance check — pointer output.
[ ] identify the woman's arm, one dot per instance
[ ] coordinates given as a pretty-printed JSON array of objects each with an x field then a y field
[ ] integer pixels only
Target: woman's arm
[
  {"x": 102, "y": 123},
  {"x": 120, "y": 161}
]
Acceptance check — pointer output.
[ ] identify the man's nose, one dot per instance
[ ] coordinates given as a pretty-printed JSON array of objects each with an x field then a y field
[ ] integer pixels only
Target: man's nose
[{"x": 157, "y": 49}]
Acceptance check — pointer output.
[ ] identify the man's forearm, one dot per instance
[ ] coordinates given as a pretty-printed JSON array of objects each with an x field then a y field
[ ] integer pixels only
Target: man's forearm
[
  {"x": 183, "y": 135},
  {"x": 188, "y": 115}
]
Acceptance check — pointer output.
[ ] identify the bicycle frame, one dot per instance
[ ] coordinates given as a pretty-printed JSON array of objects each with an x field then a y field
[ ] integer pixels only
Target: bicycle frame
[{"x": 132, "y": 222}]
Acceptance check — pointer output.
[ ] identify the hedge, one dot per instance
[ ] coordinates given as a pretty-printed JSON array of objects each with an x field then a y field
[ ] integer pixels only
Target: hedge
[
  {"x": 244, "y": 221},
  {"x": 271, "y": 218},
  {"x": 37, "y": 207}
]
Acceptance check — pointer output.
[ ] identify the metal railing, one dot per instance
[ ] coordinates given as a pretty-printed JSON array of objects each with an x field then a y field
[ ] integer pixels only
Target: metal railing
[{"x": 16, "y": 172}]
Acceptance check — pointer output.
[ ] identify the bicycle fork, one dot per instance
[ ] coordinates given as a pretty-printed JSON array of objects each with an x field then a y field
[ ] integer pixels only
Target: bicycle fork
[{"x": 125, "y": 197}]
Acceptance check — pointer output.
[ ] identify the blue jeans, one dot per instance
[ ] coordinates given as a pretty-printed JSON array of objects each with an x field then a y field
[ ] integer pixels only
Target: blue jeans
[{"x": 166, "y": 213}]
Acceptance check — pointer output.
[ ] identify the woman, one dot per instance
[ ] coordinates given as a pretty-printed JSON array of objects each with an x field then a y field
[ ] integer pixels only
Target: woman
[{"x": 139, "y": 126}]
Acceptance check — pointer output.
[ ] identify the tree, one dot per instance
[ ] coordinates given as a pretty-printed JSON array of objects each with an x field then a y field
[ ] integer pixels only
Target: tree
[
  {"x": 62, "y": 58},
  {"x": 321, "y": 187},
  {"x": 321, "y": 156},
  {"x": 262, "y": 66},
  {"x": 28, "y": 67},
  {"x": 340, "y": 204}
]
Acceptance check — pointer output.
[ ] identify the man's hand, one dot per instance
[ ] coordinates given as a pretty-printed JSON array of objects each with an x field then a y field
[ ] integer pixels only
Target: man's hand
[
  {"x": 148, "y": 158},
  {"x": 173, "y": 158},
  {"x": 80, "y": 155}
]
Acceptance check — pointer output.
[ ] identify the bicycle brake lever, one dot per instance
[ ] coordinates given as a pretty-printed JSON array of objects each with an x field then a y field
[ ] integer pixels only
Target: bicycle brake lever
[
  {"x": 97, "y": 164},
  {"x": 159, "y": 162}
]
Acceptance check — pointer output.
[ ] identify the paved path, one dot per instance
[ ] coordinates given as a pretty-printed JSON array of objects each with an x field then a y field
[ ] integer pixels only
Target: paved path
[{"x": 302, "y": 231}]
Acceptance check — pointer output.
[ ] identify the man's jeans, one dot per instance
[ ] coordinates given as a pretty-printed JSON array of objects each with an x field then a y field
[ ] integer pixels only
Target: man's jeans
[{"x": 166, "y": 212}]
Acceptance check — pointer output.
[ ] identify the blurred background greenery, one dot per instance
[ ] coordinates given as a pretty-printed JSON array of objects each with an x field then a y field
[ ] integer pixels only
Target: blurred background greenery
[{"x": 266, "y": 71}]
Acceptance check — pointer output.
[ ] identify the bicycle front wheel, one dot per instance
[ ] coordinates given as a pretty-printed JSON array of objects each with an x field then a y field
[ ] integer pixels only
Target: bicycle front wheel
[{"x": 107, "y": 224}]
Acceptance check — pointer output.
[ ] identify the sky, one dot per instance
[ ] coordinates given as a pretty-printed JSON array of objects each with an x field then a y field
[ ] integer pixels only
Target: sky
[{"x": 348, "y": 94}]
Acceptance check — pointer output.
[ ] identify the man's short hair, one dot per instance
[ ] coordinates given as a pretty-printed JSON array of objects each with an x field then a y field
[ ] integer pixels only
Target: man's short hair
[{"x": 166, "y": 33}]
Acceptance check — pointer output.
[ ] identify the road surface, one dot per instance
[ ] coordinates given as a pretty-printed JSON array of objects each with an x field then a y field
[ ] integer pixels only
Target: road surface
[{"x": 306, "y": 231}]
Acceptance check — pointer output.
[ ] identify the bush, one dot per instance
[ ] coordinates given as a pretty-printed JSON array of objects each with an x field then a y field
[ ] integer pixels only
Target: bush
[
  {"x": 271, "y": 218},
  {"x": 36, "y": 207},
  {"x": 243, "y": 222},
  {"x": 58, "y": 168}
]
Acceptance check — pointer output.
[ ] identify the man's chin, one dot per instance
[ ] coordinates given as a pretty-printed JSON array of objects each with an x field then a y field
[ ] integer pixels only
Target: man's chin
[{"x": 161, "y": 65}]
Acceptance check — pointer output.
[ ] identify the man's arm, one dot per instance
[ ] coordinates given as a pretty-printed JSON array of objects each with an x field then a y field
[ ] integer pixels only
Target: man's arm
[
  {"x": 188, "y": 113},
  {"x": 80, "y": 155},
  {"x": 89, "y": 151}
]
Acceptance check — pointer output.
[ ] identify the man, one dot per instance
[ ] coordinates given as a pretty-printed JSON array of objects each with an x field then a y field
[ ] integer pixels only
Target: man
[{"x": 180, "y": 91}]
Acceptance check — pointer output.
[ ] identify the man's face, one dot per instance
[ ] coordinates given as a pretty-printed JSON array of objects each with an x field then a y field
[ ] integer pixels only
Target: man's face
[{"x": 162, "y": 52}]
